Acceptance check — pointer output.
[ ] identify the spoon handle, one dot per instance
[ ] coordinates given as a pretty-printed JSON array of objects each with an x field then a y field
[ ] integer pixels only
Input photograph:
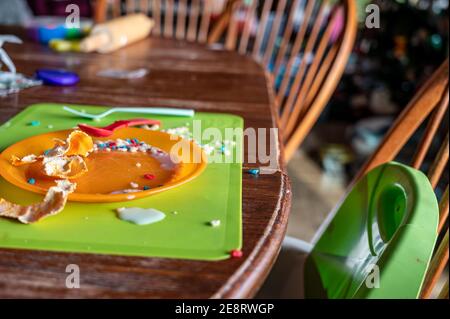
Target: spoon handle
[
  {"x": 133, "y": 122},
  {"x": 157, "y": 111}
]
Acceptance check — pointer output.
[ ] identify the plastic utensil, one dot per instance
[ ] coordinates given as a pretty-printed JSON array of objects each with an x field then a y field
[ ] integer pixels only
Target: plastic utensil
[
  {"x": 141, "y": 110},
  {"x": 108, "y": 130},
  {"x": 57, "y": 77}
]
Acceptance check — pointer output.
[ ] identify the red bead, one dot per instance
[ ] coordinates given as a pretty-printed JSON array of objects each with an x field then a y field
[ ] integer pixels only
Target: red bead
[
  {"x": 236, "y": 253},
  {"x": 149, "y": 176}
]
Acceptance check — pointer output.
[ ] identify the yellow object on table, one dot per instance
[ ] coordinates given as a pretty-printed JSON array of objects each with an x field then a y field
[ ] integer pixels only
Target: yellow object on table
[{"x": 117, "y": 33}]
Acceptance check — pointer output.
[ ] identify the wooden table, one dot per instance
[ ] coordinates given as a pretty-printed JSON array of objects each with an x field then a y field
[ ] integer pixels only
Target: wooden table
[{"x": 181, "y": 75}]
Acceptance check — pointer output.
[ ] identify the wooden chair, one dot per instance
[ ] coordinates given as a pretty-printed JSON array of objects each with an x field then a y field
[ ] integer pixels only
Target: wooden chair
[
  {"x": 424, "y": 122},
  {"x": 305, "y": 59},
  {"x": 429, "y": 104},
  {"x": 181, "y": 19}
]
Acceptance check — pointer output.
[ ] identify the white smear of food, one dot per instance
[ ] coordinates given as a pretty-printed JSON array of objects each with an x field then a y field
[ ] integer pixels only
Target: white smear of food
[
  {"x": 29, "y": 158},
  {"x": 140, "y": 216},
  {"x": 125, "y": 191}
]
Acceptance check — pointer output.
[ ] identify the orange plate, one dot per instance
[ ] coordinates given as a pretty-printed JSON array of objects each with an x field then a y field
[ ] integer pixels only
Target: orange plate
[{"x": 109, "y": 171}]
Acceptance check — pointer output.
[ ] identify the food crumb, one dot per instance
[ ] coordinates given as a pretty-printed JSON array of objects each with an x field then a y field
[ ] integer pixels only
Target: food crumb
[
  {"x": 215, "y": 223},
  {"x": 138, "y": 165},
  {"x": 175, "y": 212},
  {"x": 134, "y": 185}
]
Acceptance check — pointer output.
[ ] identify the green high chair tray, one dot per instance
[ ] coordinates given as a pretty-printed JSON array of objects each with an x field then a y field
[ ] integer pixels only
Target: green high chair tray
[{"x": 380, "y": 241}]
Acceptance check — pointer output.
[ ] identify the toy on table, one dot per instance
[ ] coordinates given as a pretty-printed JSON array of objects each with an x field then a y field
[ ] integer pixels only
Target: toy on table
[
  {"x": 46, "y": 29},
  {"x": 12, "y": 82},
  {"x": 57, "y": 77}
]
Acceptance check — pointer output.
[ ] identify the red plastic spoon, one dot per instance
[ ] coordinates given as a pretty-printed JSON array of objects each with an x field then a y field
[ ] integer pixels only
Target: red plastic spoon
[{"x": 108, "y": 130}]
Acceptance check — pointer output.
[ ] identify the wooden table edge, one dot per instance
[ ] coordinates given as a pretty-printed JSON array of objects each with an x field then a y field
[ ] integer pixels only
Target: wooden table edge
[{"x": 250, "y": 276}]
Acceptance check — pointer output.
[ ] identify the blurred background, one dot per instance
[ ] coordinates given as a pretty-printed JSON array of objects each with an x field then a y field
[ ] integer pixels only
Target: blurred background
[{"x": 384, "y": 71}]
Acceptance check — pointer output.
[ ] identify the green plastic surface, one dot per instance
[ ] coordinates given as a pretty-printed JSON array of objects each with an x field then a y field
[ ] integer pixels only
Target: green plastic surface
[
  {"x": 95, "y": 228},
  {"x": 387, "y": 226}
]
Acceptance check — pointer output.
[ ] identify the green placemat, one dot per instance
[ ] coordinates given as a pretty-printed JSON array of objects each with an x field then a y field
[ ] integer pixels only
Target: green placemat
[{"x": 95, "y": 228}]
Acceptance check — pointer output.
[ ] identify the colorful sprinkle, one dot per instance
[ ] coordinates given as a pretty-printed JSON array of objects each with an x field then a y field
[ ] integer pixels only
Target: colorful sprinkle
[
  {"x": 138, "y": 165},
  {"x": 146, "y": 188},
  {"x": 50, "y": 126},
  {"x": 253, "y": 171},
  {"x": 34, "y": 123},
  {"x": 236, "y": 253},
  {"x": 31, "y": 181},
  {"x": 47, "y": 152},
  {"x": 149, "y": 176}
]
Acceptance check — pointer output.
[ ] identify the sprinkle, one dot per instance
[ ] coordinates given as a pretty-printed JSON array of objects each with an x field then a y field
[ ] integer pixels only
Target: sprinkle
[
  {"x": 47, "y": 152},
  {"x": 134, "y": 185},
  {"x": 253, "y": 171},
  {"x": 146, "y": 188},
  {"x": 215, "y": 223},
  {"x": 138, "y": 165},
  {"x": 131, "y": 197},
  {"x": 149, "y": 176},
  {"x": 34, "y": 123},
  {"x": 31, "y": 181},
  {"x": 236, "y": 253},
  {"x": 50, "y": 126}
]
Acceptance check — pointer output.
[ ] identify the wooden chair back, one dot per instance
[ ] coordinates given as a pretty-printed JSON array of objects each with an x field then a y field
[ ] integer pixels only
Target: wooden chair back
[
  {"x": 304, "y": 45},
  {"x": 427, "y": 112},
  {"x": 181, "y": 19}
]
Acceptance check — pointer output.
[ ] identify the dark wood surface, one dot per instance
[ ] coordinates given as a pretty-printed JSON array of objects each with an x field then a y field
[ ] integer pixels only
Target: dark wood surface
[{"x": 181, "y": 75}]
